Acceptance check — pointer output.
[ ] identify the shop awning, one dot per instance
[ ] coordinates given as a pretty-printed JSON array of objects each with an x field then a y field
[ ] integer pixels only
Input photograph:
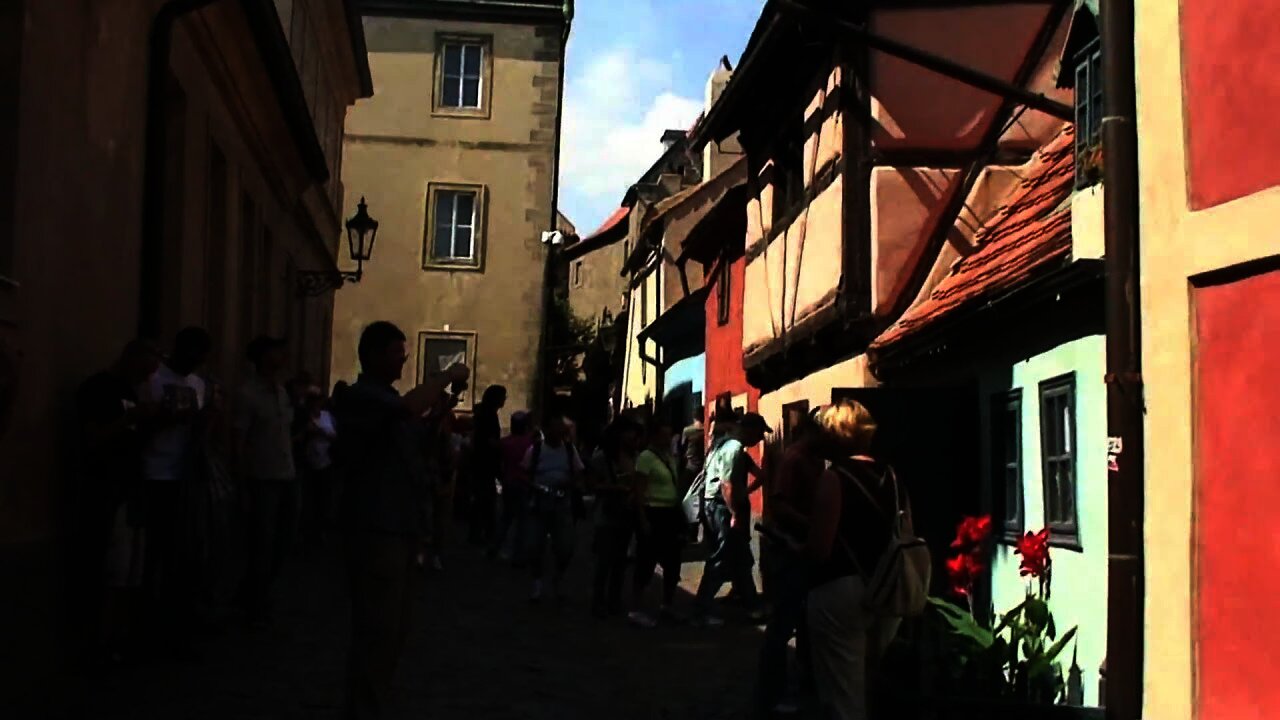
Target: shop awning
[{"x": 680, "y": 331}]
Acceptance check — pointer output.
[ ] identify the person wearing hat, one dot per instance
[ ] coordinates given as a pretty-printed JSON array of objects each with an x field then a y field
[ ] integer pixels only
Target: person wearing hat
[
  {"x": 263, "y": 424},
  {"x": 728, "y": 512}
]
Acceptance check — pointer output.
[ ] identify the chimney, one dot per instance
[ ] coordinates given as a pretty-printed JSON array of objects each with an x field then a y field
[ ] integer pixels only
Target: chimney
[
  {"x": 717, "y": 156},
  {"x": 671, "y": 137}
]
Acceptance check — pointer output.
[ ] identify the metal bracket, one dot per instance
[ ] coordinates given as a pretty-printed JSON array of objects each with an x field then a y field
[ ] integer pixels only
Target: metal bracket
[{"x": 315, "y": 283}]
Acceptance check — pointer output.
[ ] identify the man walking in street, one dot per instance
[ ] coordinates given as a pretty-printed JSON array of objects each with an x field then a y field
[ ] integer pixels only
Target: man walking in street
[
  {"x": 179, "y": 395},
  {"x": 263, "y": 423},
  {"x": 554, "y": 469},
  {"x": 381, "y": 436},
  {"x": 728, "y": 512}
]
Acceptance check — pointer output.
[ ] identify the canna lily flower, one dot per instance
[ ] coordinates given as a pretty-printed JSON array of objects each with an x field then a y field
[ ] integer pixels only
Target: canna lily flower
[
  {"x": 972, "y": 532},
  {"x": 1034, "y": 549},
  {"x": 962, "y": 571}
]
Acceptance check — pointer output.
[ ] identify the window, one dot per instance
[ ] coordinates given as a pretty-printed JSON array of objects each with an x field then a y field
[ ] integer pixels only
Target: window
[
  {"x": 454, "y": 221},
  {"x": 644, "y": 323},
  {"x": 577, "y": 274},
  {"x": 1058, "y": 451},
  {"x": 1006, "y": 462},
  {"x": 1089, "y": 114},
  {"x": 724, "y": 405},
  {"x": 793, "y": 417},
  {"x": 462, "y": 75},
  {"x": 788, "y": 172},
  {"x": 437, "y": 351},
  {"x": 722, "y": 293}
]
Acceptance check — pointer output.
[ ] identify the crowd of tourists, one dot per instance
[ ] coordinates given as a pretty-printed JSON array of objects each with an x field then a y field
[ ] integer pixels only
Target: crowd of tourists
[{"x": 194, "y": 496}]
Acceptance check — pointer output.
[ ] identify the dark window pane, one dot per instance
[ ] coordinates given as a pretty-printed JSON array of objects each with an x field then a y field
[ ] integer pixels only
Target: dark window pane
[
  {"x": 471, "y": 92},
  {"x": 453, "y": 60},
  {"x": 451, "y": 93},
  {"x": 442, "y": 245},
  {"x": 462, "y": 242},
  {"x": 464, "y": 208},
  {"x": 473, "y": 57}
]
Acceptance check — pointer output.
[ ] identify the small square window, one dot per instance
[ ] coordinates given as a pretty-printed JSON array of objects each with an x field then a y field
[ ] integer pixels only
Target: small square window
[
  {"x": 577, "y": 274},
  {"x": 1058, "y": 459},
  {"x": 455, "y": 233}
]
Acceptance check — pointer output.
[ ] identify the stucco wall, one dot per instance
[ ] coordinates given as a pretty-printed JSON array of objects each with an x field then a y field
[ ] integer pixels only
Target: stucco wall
[
  {"x": 1079, "y": 598},
  {"x": 640, "y": 378},
  {"x": 600, "y": 285},
  {"x": 1178, "y": 243},
  {"x": 396, "y": 146}
]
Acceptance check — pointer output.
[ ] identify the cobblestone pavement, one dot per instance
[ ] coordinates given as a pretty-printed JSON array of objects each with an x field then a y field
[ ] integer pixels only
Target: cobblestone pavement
[{"x": 480, "y": 651}]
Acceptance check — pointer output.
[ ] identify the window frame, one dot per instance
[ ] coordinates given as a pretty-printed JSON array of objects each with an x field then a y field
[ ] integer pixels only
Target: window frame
[
  {"x": 485, "y": 79},
  {"x": 723, "y": 289},
  {"x": 792, "y": 413},
  {"x": 470, "y": 337},
  {"x": 1007, "y": 406},
  {"x": 1088, "y": 103},
  {"x": 479, "y": 214},
  {"x": 576, "y": 272},
  {"x": 1063, "y": 533}
]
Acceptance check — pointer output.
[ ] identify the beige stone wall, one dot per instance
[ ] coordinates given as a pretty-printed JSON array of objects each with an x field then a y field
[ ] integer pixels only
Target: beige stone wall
[
  {"x": 597, "y": 284},
  {"x": 396, "y": 146}
]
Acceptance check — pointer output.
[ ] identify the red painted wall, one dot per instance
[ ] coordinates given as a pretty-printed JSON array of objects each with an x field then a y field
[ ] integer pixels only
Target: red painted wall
[
  {"x": 724, "y": 371},
  {"x": 1237, "y": 476},
  {"x": 1231, "y": 49}
]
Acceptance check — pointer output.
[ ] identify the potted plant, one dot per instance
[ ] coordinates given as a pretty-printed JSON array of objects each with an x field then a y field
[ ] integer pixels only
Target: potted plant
[{"x": 1011, "y": 670}]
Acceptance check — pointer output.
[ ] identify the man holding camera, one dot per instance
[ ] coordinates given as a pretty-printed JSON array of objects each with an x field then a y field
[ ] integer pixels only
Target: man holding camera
[{"x": 387, "y": 501}]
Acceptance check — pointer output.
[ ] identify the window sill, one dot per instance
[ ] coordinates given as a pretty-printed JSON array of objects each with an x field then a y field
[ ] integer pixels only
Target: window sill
[
  {"x": 437, "y": 265},
  {"x": 1065, "y": 542},
  {"x": 481, "y": 113}
]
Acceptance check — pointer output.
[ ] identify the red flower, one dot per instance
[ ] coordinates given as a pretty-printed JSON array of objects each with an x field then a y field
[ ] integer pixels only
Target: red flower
[
  {"x": 1034, "y": 549},
  {"x": 972, "y": 532},
  {"x": 962, "y": 571}
]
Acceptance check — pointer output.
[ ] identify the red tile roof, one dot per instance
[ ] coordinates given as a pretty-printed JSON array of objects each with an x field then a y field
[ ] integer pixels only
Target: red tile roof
[
  {"x": 610, "y": 223},
  {"x": 1030, "y": 232}
]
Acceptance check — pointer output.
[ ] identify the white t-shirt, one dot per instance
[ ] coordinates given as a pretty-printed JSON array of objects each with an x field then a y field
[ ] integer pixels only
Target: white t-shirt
[
  {"x": 318, "y": 456},
  {"x": 163, "y": 458},
  {"x": 553, "y": 466}
]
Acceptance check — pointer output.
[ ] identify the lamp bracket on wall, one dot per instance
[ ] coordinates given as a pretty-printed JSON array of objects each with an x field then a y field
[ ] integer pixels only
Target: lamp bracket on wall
[{"x": 316, "y": 283}]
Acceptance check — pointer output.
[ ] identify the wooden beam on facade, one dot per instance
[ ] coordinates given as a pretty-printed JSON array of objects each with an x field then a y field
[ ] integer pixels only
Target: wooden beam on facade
[
  {"x": 948, "y": 159},
  {"x": 943, "y": 66}
]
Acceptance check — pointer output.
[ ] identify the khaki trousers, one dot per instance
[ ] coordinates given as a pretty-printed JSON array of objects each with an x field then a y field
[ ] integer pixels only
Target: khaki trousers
[{"x": 843, "y": 637}]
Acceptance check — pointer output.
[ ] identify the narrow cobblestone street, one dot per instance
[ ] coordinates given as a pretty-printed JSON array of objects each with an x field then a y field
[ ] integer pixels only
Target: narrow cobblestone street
[{"x": 479, "y": 651}]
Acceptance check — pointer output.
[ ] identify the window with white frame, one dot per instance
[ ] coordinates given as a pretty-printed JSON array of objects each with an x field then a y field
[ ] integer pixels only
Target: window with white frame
[
  {"x": 455, "y": 233},
  {"x": 462, "y": 74}
]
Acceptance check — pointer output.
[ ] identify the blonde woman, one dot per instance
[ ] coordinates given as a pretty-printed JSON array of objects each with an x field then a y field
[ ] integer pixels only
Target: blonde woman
[{"x": 850, "y": 529}]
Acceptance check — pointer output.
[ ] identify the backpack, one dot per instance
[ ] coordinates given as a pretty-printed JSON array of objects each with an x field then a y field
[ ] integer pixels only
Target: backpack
[
  {"x": 692, "y": 504},
  {"x": 899, "y": 584}
]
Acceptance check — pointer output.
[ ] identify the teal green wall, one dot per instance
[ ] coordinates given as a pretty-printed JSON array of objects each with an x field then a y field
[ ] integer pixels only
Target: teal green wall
[{"x": 1079, "y": 577}]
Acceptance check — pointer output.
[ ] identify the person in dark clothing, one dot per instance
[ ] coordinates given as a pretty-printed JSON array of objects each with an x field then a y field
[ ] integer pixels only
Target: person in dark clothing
[
  {"x": 515, "y": 489},
  {"x": 386, "y": 511},
  {"x": 109, "y": 414},
  {"x": 486, "y": 453},
  {"x": 790, "y": 503},
  {"x": 266, "y": 469},
  {"x": 613, "y": 481}
]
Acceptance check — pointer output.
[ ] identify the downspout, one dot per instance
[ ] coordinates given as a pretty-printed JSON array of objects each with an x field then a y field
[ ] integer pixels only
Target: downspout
[
  {"x": 1125, "y": 405},
  {"x": 159, "y": 44},
  {"x": 542, "y": 373}
]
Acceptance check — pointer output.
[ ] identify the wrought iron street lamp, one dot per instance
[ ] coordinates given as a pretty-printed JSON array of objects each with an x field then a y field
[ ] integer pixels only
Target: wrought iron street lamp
[{"x": 362, "y": 230}]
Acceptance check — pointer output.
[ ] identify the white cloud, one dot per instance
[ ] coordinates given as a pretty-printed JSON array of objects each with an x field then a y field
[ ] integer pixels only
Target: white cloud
[{"x": 616, "y": 110}]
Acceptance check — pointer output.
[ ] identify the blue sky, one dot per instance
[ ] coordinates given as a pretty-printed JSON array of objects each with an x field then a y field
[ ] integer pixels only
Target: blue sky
[{"x": 636, "y": 68}]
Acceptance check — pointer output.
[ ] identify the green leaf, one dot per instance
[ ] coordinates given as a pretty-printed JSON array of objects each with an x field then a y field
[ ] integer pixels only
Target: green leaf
[
  {"x": 1057, "y": 648},
  {"x": 962, "y": 623},
  {"x": 1011, "y": 616}
]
